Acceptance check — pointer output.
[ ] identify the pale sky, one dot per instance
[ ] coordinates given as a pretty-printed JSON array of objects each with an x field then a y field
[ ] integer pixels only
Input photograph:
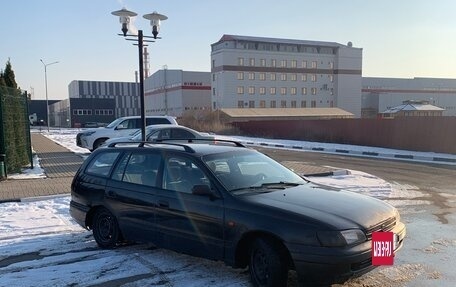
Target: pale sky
[{"x": 400, "y": 39}]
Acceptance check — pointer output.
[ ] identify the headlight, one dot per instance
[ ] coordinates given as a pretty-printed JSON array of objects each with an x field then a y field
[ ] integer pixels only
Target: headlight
[
  {"x": 86, "y": 134},
  {"x": 341, "y": 238},
  {"x": 397, "y": 215}
]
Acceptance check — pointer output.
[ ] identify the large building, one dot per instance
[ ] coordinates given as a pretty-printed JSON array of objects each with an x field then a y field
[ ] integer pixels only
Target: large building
[
  {"x": 381, "y": 94},
  {"x": 256, "y": 72},
  {"x": 96, "y": 102},
  {"x": 174, "y": 92}
]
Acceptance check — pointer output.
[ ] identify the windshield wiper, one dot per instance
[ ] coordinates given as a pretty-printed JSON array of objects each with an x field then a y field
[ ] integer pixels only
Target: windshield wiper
[
  {"x": 280, "y": 184},
  {"x": 265, "y": 187}
]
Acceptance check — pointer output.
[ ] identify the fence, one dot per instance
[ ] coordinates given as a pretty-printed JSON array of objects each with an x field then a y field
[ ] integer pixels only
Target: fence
[
  {"x": 429, "y": 134},
  {"x": 15, "y": 142}
]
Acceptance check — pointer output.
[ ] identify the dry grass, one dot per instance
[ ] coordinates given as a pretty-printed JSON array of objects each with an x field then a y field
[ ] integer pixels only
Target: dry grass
[{"x": 206, "y": 121}]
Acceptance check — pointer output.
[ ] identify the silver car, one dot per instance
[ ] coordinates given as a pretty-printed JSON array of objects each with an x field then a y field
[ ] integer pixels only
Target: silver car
[{"x": 163, "y": 132}]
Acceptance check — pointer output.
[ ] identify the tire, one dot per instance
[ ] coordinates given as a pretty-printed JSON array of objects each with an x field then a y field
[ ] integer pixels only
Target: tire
[
  {"x": 105, "y": 229},
  {"x": 98, "y": 143},
  {"x": 268, "y": 263}
]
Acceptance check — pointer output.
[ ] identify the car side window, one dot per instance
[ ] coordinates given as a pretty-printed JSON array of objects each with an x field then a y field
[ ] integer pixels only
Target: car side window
[
  {"x": 101, "y": 165},
  {"x": 123, "y": 125},
  {"x": 182, "y": 174},
  {"x": 157, "y": 121},
  {"x": 181, "y": 134},
  {"x": 139, "y": 168}
]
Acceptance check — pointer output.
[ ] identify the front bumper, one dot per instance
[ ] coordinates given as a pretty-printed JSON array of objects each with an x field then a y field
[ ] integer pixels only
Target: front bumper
[{"x": 336, "y": 265}]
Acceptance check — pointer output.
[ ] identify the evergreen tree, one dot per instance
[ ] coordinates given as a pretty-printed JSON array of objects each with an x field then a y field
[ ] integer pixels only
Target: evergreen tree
[{"x": 8, "y": 76}]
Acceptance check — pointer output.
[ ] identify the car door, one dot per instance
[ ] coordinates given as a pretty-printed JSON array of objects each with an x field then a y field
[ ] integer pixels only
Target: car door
[
  {"x": 131, "y": 194},
  {"x": 186, "y": 222}
]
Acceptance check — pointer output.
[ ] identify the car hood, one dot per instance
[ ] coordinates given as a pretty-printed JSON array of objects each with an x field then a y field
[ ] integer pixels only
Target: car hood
[{"x": 336, "y": 208}]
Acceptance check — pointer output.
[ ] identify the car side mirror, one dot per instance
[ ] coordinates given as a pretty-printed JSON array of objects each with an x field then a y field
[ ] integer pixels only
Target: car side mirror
[{"x": 202, "y": 190}]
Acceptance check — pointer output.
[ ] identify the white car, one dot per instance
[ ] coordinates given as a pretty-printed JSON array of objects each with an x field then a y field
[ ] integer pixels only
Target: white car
[
  {"x": 121, "y": 127},
  {"x": 163, "y": 132}
]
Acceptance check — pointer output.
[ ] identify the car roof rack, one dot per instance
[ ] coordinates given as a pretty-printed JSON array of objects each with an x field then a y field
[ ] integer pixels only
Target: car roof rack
[
  {"x": 215, "y": 140},
  {"x": 142, "y": 143}
]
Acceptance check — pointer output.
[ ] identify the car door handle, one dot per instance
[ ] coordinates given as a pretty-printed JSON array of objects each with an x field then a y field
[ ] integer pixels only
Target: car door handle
[{"x": 163, "y": 203}]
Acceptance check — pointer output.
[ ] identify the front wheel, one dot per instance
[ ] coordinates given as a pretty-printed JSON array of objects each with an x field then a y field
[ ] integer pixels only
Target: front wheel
[
  {"x": 268, "y": 263},
  {"x": 105, "y": 229}
]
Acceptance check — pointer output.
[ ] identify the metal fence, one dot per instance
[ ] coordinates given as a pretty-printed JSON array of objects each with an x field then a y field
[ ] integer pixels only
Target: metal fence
[{"x": 15, "y": 142}]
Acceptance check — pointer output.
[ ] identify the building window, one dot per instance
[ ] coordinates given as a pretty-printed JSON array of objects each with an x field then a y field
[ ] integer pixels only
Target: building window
[
  {"x": 273, "y": 62},
  {"x": 313, "y": 104},
  {"x": 262, "y": 90},
  {"x": 263, "y": 62},
  {"x": 304, "y": 91},
  {"x": 294, "y": 63},
  {"x": 293, "y": 104},
  {"x": 251, "y": 90},
  {"x": 213, "y": 63},
  {"x": 293, "y": 77},
  {"x": 283, "y": 91},
  {"x": 262, "y": 76},
  {"x": 283, "y": 63},
  {"x": 240, "y": 90},
  {"x": 251, "y": 104},
  {"x": 283, "y": 104},
  {"x": 251, "y": 76},
  {"x": 314, "y": 65},
  {"x": 263, "y": 104},
  {"x": 293, "y": 91},
  {"x": 304, "y": 64},
  {"x": 283, "y": 77},
  {"x": 273, "y": 76},
  {"x": 331, "y": 65},
  {"x": 314, "y": 91},
  {"x": 213, "y": 77},
  {"x": 240, "y": 61},
  {"x": 272, "y": 90},
  {"x": 240, "y": 104},
  {"x": 304, "y": 77},
  {"x": 331, "y": 104},
  {"x": 331, "y": 78},
  {"x": 313, "y": 77},
  {"x": 240, "y": 75},
  {"x": 252, "y": 62},
  {"x": 303, "y": 104},
  {"x": 273, "y": 104},
  {"x": 213, "y": 91}
]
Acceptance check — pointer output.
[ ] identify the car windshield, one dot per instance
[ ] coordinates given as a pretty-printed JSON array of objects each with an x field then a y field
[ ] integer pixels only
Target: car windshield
[
  {"x": 113, "y": 124},
  {"x": 245, "y": 172}
]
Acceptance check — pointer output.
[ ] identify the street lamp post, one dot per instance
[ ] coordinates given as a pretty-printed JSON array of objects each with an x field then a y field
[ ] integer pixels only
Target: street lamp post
[
  {"x": 46, "y": 86},
  {"x": 155, "y": 19}
]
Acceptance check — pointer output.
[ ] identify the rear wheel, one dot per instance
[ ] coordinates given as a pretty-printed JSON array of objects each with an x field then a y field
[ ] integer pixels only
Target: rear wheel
[
  {"x": 105, "y": 229},
  {"x": 268, "y": 263}
]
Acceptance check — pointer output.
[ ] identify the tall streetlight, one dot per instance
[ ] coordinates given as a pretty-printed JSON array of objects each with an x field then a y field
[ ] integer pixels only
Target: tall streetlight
[
  {"x": 46, "y": 85},
  {"x": 155, "y": 19}
]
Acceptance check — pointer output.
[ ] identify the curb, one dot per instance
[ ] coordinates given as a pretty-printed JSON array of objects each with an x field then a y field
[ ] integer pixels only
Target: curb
[
  {"x": 35, "y": 198},
  {"x": 404, "y": 157}
]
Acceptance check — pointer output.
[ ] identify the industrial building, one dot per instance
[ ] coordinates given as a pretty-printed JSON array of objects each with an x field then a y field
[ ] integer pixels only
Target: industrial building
[
  {"x": 174, "y": 92},
  {"x": 257, "y": 72},
  {"x": 382, "y": 94},
  {"x": 95, "y": 102}
]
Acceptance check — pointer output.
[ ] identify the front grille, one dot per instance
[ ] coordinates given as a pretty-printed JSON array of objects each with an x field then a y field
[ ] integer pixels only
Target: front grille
[{"x": 384, "y": 226}]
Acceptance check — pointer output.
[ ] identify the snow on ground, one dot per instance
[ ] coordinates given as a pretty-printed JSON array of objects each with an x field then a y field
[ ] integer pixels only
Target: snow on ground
[{"x": 41, "y": 245}]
